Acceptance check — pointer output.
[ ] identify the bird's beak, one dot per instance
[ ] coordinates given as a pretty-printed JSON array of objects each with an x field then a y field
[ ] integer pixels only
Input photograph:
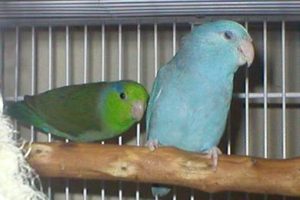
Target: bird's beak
[
  {"x": 246, "y": 50},
  {"x": 138, "y": 109}
]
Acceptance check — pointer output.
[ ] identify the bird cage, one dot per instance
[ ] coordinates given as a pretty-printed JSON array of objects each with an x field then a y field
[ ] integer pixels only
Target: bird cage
[{"x": 48, "y": 44}]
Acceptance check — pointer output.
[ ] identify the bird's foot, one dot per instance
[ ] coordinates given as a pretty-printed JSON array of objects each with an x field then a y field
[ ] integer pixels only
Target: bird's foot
[
  {"x": 213, "y": 154},
  {"x": 152, "y": 144}
]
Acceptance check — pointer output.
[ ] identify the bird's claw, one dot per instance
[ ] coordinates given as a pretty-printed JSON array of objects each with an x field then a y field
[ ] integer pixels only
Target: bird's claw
[
  {"x": 152, "y": 144},
  {"x": 213, "y": 154}
]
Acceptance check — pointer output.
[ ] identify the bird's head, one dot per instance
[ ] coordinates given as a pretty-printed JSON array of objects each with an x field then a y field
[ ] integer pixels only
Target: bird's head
[
  {"x": 223, "y": 42},
  {"x": 124, "y": 104}
]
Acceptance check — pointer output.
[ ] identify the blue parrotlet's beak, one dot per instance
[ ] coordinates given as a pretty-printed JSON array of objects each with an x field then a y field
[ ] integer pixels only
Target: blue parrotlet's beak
[{"x": 246, "y": 50}]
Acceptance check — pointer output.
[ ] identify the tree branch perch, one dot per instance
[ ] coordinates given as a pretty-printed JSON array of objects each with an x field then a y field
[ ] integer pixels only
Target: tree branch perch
[{"x": 166, "y": 166}]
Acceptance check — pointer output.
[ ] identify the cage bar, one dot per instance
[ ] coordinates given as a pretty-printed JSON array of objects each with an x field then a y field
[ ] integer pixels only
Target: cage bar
[
  {"x": 284, "y": 136},
  {"x": 265, "y": 90},
  {"x": 17, "y": 63},
  {"x": 102, "y": 79},
  {"x": 50, "y": 86},
  {"x": 247, "y": 106}
]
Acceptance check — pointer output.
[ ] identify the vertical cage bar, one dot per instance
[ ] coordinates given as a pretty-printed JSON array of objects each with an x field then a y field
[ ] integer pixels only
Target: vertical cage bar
[
  {"x": 67, "y": 189},
  {"x": 284, "y": 145},
  {"x": 120, "y": 62},
  {"x": 50, "y": 86},
  {"x": 155, "y": 50},
  {"x": 192, "y": 26},
  {"x": 174, "y": 39},
  {"x": 102, "y": 79},
  {"x": 17, "y": 63},
  {"x": 120, "y": 77},
  {"x": 85, "y": 55},
  {"x": 138, "y": 126},
  {"x": 247, "y": 106},
  {"x": 85, "y": 78},
  {"x": 33, "y": 74},
  {"x": 103, "y": 52},
  {"x": 174, "y": 52},
  {"x": 265, "y": 90},
  {"x": 50, "y": 66},
  {"x": 192, "y": 190},
  {"x": 67, "y": 55},
  {"x": 17, "y": 69}
]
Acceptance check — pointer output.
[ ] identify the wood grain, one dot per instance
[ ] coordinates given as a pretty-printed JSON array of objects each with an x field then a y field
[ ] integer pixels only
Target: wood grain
[{"x": 167, "y": 166}]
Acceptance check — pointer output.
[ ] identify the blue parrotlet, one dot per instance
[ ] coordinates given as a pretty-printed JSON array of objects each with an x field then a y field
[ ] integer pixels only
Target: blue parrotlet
[{"x": 191, "y": 94}]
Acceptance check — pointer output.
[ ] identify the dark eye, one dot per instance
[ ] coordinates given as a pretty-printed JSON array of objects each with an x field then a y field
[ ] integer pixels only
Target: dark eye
[
  {"x": 122, "y": 95},
  {"x": 228, "y": 35}
]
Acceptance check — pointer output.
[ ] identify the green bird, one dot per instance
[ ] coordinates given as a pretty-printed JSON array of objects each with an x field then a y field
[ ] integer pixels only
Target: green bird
[{"x": 86, "y": 112}]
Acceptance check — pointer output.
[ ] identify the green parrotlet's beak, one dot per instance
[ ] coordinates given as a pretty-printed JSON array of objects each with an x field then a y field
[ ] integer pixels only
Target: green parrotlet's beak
[
  {"x": 138, "y": 109},
  {"x": 246, "y": 50}
]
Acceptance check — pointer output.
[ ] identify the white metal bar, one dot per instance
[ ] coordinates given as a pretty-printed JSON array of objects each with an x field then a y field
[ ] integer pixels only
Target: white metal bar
[
  {"x": 67, "y": 55},
  {"x": 284, "y": 136},
  {"x": 155, "y": 50},
  {"x": 103, "y": 52},
  {"x": 174, "y": 52},
  {"x": 192, "y": 26},
  {"x": 246, "y": 110},
  {"x": 174, "y": 39},
  {"x": 50, "y": 86},
  {"x": 120, "y": 62},
  {"x": 229, "y": 150},
  {"x": 85, "y": 78},
  {"x": 273, "y": 95},
  {"x": 85, "y": 56},
  {"x": 138, "y": 127},
  {"x": 33, "y": 74},
  {"x": 120, "y": 77},
  {"x": 17, "y": 63},
  {"x": 50, "y": 66},
  {"x": 247, "y": 106},
  {"x": 67, "y": 183},
  {"x": 103, "y": 79},
  {"x": 155, "y": 62},
  {"x": 265, "y": 90},
  {"x": 192, "y": 196},
  {"x": 138, "y": 53}
]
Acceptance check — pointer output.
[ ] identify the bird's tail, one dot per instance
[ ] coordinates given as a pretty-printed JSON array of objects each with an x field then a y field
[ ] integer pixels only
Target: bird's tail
[
  {"x": 159, "y": 190},
  {"x": 20, "y": 111}
]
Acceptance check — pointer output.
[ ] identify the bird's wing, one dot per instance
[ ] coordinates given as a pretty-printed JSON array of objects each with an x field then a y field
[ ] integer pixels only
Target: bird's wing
[
  {"x": 154, "y": 96},
  {"x": 70, "y": 109}
]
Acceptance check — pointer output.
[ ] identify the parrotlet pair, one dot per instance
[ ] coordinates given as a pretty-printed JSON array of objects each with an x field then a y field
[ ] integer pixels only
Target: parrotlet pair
[
  {"x": 83, "y": 113},
  {"x": 192, "y": 93}
]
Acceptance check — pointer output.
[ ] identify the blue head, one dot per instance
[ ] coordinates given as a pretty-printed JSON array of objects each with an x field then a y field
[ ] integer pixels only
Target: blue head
[{"x": 221, "y": 45}]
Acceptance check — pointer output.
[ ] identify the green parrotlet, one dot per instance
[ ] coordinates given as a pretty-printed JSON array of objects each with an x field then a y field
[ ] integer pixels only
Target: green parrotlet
[{"x": 86, "y": 112}]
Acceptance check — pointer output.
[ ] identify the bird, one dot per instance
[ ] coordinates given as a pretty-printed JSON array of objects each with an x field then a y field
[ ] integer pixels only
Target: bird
[
  {"x": 191, "y": 94},
  {"x": 84, "y": 112}
]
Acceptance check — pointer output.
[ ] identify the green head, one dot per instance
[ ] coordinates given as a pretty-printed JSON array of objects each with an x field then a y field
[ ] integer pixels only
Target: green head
[{"x": 124, "y": 105}]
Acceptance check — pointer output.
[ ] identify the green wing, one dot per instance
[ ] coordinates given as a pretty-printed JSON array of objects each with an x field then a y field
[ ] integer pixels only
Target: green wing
[{"x": 72, "y": 110}]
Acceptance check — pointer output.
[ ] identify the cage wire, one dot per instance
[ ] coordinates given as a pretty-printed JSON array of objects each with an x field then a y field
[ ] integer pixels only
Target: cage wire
[{"x": 48, "y": 44}]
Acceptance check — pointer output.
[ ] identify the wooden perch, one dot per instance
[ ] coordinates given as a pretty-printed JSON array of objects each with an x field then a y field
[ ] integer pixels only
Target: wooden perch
[{"x": 167, "y": 166}]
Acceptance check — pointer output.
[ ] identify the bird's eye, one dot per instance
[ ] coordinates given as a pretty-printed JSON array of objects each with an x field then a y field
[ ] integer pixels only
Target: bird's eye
[
  {"x": 122, "y": 95},
  {"x": 228, "y": 35}
]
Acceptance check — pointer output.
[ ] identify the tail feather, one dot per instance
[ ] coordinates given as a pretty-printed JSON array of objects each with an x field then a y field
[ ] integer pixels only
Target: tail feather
[{"x": 20, "y": 111}]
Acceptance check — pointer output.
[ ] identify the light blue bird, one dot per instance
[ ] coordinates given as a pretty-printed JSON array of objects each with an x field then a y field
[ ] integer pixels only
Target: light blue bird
[{"x": 191, "y": 94}]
